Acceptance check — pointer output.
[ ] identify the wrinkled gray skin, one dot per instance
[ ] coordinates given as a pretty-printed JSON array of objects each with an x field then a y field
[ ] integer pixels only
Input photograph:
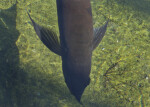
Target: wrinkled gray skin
[
  {"x": 77, "y": 41},
  {"x": 76, "y": 36}
]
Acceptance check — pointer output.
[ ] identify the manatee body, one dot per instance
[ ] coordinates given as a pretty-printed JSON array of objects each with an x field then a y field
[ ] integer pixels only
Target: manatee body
[{"x": 77, "y": 41}]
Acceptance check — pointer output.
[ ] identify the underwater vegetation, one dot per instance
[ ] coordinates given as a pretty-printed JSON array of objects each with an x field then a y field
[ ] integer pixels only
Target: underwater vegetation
[{"x": 31, "y": 75}]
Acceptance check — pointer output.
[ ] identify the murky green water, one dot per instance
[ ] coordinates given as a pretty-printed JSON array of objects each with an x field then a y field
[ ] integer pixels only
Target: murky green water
[{"x": 31, "y": 75}]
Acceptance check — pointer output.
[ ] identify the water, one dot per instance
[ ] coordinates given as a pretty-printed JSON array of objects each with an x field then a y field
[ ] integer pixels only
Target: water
[{"x": 31, "y": 75}]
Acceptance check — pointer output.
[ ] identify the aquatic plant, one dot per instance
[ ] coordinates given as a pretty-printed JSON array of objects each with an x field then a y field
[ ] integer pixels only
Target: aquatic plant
[{"x": 32, "y": 76}]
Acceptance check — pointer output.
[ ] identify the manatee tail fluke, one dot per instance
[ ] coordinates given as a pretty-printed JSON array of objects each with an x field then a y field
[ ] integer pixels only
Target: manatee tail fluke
[{"x": 78, "y": 98}]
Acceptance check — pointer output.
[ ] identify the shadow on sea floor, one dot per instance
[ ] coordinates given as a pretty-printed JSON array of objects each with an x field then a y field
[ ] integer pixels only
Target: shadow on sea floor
[
  {"x": 9, "y": 56},
  {"x": 18, "y": 87}
]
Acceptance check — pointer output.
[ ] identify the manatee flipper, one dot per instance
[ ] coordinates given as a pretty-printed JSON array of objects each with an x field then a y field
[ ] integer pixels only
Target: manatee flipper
[
  {"x": 99, "y": 34},
  {"x": 48, "y": 37}
]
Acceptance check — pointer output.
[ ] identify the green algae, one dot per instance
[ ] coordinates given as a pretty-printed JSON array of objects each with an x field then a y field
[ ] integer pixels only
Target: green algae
[{"x": 31, "y": 75}]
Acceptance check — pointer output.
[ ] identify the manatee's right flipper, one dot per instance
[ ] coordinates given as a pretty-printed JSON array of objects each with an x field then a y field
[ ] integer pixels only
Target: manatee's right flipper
[
  {"x": 99, "y": 34},
  {"x": 48, "y": 37}
]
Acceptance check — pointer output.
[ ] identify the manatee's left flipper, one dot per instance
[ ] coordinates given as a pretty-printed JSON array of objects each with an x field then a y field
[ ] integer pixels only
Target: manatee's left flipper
[
  {"x": 99, "y": 34},
  {"x": 48, "y": 37}
]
